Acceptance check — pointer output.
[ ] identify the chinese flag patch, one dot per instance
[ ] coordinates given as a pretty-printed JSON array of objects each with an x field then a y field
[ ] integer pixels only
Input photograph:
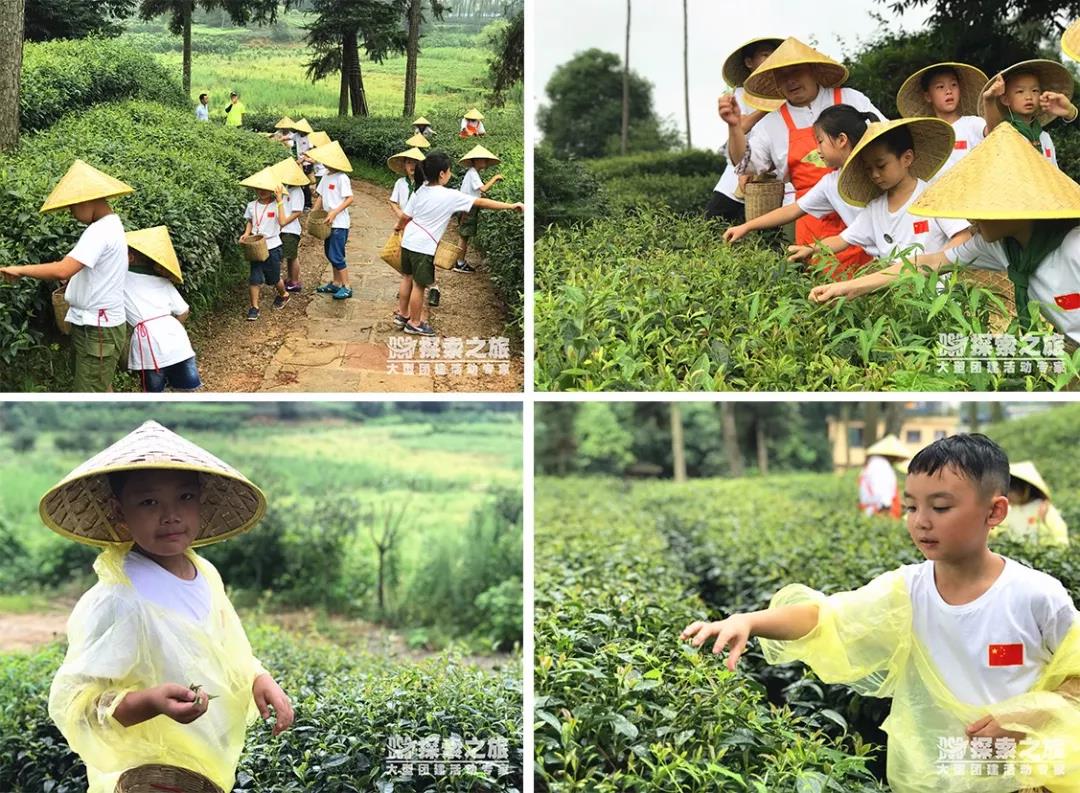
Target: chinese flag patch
[
  {"x": 921, "y": 226},
  {"x": 330, "y": 186},
  {"x": 1068, "y": 302},
  {"x": 271, "y": 214},
  {"x": 1006, "y": 655},
  {"x": 961, "y": 145},
  {"x": 1049, "y": 153}
]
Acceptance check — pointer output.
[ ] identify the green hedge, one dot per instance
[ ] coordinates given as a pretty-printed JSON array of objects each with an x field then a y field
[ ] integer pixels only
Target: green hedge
[
  {"x": 347, "y": 706},
  {"x": 564, "y": 192},
  {"x": 692, "y": 162}
]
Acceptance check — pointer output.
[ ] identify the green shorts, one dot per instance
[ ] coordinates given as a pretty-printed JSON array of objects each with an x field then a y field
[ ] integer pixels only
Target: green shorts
[
  {"x": 97, "y": 351},
  {"x": 290, "y": 244},
  {"x": 421, "y": 266},
  {"x": 467, "y": 223}
]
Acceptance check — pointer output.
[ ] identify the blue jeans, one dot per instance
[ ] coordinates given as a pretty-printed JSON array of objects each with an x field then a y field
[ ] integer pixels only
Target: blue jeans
[
  {"x": 182, "y": 376},
  {"x": 334, "y": 247},
  {"x": 267, "y": 271}
]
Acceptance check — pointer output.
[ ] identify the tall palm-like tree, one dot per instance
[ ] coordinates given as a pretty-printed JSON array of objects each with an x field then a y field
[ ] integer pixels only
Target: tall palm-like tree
[
  {"x": 626, "y": 85},
  {"x": 686, "y": 69}
]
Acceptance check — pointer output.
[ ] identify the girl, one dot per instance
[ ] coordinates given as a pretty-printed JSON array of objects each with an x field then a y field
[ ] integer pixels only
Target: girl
[
  {"x": 424, "y": 221},
  {"x": 885, "y": 175},
  {"x": 837, "y": 131},
  {"x": 421, "y": 126},
  {"x": 1033, "y": 93},
  {"x": 334, "y": 191},
  {"x": 263, "y": 217},
  {"x": 293, "y": 177},
  {"x": 472, "y": 124},
  {"x": 478, "y": 159},
  {"x": 1031, "y": 515},
  {"x": 405, "y": 164}
]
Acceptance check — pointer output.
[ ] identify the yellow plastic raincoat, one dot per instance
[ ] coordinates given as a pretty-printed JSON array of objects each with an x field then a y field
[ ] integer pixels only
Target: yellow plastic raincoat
[
  {"x": 120, "y": 642},
  {"x": 865, "y": 639}
]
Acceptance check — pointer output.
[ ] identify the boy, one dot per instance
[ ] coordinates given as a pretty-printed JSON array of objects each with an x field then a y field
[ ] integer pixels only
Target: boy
[
  {"x": 96, "y": 267},
  {"x": 473, "y": 186},
  {"x": 263, "y": 217},
  {"x": 972, "y": 647},
  {"x": 293, "y": 177},
  {"x": 949, "y": 91},
  {"x": 1033, "y": 93},
  {"x": 158, "y": 668},
  {"x": 334, "y": 192}
]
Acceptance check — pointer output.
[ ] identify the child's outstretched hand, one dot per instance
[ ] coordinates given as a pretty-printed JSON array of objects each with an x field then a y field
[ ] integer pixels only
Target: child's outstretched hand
[
  {"x": 826, "y": 293},
  {"x": 1058, "y": 104},
  {"x": 987, "y": 727},
  {"x": 736, "y": 233},
  {"x": 519, "y": 207},
  {"x": 268, "y": 693},
  {"x": 735, "y": 630},
  {"x": 497, "y": 177},
  {"x": 179, "y": 703},
  {"x": 8, "y": 274},
  {"x": 730, "y": 112},
  {"x": 996, "y": 87},
  {"x": 798, "y": 253}
]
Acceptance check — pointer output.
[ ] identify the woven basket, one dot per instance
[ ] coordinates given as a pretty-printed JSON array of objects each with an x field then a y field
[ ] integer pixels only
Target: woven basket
[
  {"x": 447, "y": 254},
  {"x": 60, "y": 310},
  {"x": 255, "y": 249},
  {"x": 317, "y": 226},
  {"x": 164, "y": 779},
  {"x": 391, "y": 251},
  {"x": 763, "y": 197},
  {"x": 999, "y": 284}
]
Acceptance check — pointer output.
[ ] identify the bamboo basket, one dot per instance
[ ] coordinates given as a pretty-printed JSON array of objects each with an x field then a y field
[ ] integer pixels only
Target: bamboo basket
[
  {"x": 317, "y": 226},
  {"x": 763, "y": 196},
  {"x": 255, "y": 249},
  {"x": 391, "y": 251},
  {"x": 447, "y": 254},
  {"x": 156, "y": 778},
  {"x": 60, "y": 309},
  {"x": 999, "y": 284}
]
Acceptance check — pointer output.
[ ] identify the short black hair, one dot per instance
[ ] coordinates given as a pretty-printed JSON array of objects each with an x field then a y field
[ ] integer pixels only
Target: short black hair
[
  {"x": 930, "y": 74},
  {"x": 234, "y": 94},
  {"x": 117, "y": 480},
  {"x": 897, "y": 140},
  {"x": 203, "y": 96},
  {"x": 971, "y": 455},
  {"x": 750, "y": 50}
]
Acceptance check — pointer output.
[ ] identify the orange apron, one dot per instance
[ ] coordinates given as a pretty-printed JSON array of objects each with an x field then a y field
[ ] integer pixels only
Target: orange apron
[{"x": 806, "y": 169}]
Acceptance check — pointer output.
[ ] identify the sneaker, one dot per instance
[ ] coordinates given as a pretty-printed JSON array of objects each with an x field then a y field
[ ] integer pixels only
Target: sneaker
[
  {"x": 294, "y": 286},
  {"x": 327, "y": 289},
  {"x": 433, "y": 296},
  {"x": 464, "y": 267},
  {"x": 281, "y": 300},
  {"x": 253, "y": 314},
  {"x": 423, "y": 329},
  {"x": 400, "y": 321},
  {"x": 342, "y": 293}
]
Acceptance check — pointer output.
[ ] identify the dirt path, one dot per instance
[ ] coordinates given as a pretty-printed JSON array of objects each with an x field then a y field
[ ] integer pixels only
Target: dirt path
[{"x": 317, "y": 344}]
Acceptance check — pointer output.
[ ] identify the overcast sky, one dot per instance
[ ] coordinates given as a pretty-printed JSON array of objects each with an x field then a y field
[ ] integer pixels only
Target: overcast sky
[{"x": 562, "y": 28}]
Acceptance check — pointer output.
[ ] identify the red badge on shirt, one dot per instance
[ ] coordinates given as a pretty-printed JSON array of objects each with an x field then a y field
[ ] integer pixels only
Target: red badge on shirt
[
  {"x": 271, "y": 214},
  {"x": 1006, "y": 654},
  {"x": 1048, "y": 153},
  {"x": 961, "y": 145},
  {"x": 921, "y": 226},
  {"x": 330, "y": 186},
  {"x": 1068, "y": 302}
]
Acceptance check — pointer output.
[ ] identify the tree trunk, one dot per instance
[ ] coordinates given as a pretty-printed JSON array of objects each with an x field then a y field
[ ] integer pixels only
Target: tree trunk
[
  {"x": 686, "y": 69},
  {"x": 343, "y": 94},
  {"x": 973, "y": 416},
  {"x": 356, "y": 83},
  {"x": 412, "y": 49},
  {"x": 997, "y": 412},
  {"x": 731, "y": 438},
  {"x": 11, "y": 43},
  {"x": 381, "y": 581},
  {"x": 188, "y": 9},
  {"x": 626, "y": 86},
  {"x": 894, "y": 418},
  {"x": 871, "y": 421},
  {"x": 678, "y": 448},
  {"x": 762, "y": 446}
]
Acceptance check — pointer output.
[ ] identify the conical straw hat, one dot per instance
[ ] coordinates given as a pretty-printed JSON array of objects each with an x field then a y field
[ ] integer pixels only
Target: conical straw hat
[
  {"x": 1027, "y": 472},
  {"x": 332, "y": 156},
  {"x": 397, "y": 162},
  {"x": 734, "y": 70},
  {"x": 1003, "y": 178},
  {"x": 266, "y": 179},
  {"x": 319, "y": 138},
  {"x": 479, "y": 153},
  {"x": 911, "y": 103},
  {"x": 761, "y": 103},
  {"x": 83, "y": 182},
  {"x": 284, "y": 123},
  {"x": 156, "y": 244},
  {"x": 421, "y": 122},
  {"x": 1070, "y": 41},
  {"x": 77, "y": 507},
  {"x": 934, "y": 140},
  {"x": 889, "y": 446},
  {"x": 1052, "y": 77},
  {"x": 418, "y": 141},
  {"x": 303, "y": 126},
  {"x": 288, "y": 172},
  {"x": 793, "y": 52},
  {"x": 474, "y": 115}
]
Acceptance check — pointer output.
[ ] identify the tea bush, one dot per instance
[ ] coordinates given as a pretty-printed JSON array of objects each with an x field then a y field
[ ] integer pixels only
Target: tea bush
[
  {"x": 563, "y": 191},
  {"x": 692, "y": 162},
  {"x": 347, "y": 707},
  {"x": 661, "y": 303}
]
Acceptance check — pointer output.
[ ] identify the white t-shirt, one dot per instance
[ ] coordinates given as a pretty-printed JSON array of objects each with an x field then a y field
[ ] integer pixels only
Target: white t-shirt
[
  {"x": 161, "y": 339},
  {"x": 294, "y": 202},
  {"x": 400, "y": 194},
  {"x": 1055, "y": 282},
  {"x": 729, "y": 180},
  {"x": 334, "y": 189},
  {"x": 301, "y": 143},
  {"x": 471, "y": 183},
  {"x": 969, "y": 134},
  {"x": 877, "y": 484},
  {"x": 264, "y": 220},
  {"x": 95, "y": 294},
  {"x": 431, "y": 208},
  {"x": 154, "y": 583},
  {"x": 882, "y": 233},
  {"x": 1022, "y": 607},
  {"x": 479, "y": 126},
  {"x": 824, "y": 198}
]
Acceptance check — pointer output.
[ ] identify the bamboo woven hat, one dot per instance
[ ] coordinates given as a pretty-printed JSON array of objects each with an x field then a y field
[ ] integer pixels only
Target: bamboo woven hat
[
  {"x": 911, "y": 102},
  {"x": 83, "y": 182},
  {"x": 474, "y": 115},
  {"x": 77, "y": 507},
  {"x": 155, "y": 778},
  {"x": 792, "y": 52},
  {"x": 302, "y": 126},
  {"x": 1052, "y": 77},
  {"x": 735, "y": 73},
  {"x": 934, "y": 140},
  {"x": 266, "y": 179},
  {"x": 1070, "y": 41},
  {"x": 1027, "y": 472},
  {"x": 285, "y": 123},
  {"x": 480, "y": 153},
  {"x": 761, "y": 103},
  {"x": 288, "y": 172},
  {"x": 421, "y": 122},
  {"x": 319, "y": 138},
  {"x": 397, "y": 162},
  {"x": 1003, "y": 178},
  {"x": 156, "y": 244},
  {"x": 332, "y": 156},
  {"x": 418, "y": 141},
  {"x": 889, "y": 446}
]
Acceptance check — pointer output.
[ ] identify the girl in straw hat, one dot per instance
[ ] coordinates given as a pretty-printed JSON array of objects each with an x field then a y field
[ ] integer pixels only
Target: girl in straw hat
[
  {"x": 1033, "y": 94},
  {"x": 158, "y": 669},
  {"x": 878, "y": 492},
  {"x": 160, "y": 349},
  {"x": 404, "y": 163},
  {"x": 1025, "y": 211},
  {"x": 334, "y": 192},
  {"x": 96, "y": 267},
  {"x": 425, "y": 218},
  {"x": 783, "y": 142},
  {"x": 887, "y": 171},
  {"x": 421, "y": 126},
  {"x": 472, "y": 124},
  {"x": 478, "y": 159},
  {"x": 311, "y": 167},
  {"x": 293, "y": 177},
  {"x": 1031, "y": 518},
  {"x": 726, "y": 202},
  {"x": 949, "y": 91},
  {"x": 263, "y": 216}
]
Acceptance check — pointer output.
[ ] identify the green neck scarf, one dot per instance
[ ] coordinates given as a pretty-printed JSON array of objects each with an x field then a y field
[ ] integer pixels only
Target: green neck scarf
[
  {"x": 1031, "y": 131},
  {"x": 142, "y": 269},
  {"x": 1046, "y": 237}
]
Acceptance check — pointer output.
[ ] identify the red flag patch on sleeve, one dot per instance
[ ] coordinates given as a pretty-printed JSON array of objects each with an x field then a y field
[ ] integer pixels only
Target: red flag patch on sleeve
[
  {"x": 921, "y": 226},
  {"x": 1068, "y": 302},
  {"x": 1049, "y": 153},
  {"x": 961, "y": 145},
  {"x": 1006, "y": 654}
]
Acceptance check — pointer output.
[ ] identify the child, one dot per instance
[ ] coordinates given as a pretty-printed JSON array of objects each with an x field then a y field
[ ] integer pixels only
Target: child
[
  {"x": 335, "y": 193},
  {"x": 160, "y": 349},
  {"x": 949, "y": 91},
  {"x": 1033, "y": 93},
  {"x": 96, "y": 267},
  {"x": 158, "y": 622},
  {"x": 263, "y": 217},
  {"x": 472, "y": 124},
  {"x": 878, "y": 494},
  {"x": 837, "y": 131},
  {"x": 421, "y": 126},
  {"x": 292, "y": 176},
  {"x": 418, "y": 141},
  {"x": 971, "y": 646},
  {"x": 1031, "y": 516},
  {"x": 311, "y": 167},
  {"x": 301, "y": 130},
  {"x": 475, "y": 161},
  {"x": 404, "y": 163},
  {"x": 1034, "y": 236},
  {"x": 425, "y": 218},
  {"x": 886, "y": 172}
]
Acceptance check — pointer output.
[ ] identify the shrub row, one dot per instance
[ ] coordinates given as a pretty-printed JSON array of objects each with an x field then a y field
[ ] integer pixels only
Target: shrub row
[{"x": 691, "y": 162}]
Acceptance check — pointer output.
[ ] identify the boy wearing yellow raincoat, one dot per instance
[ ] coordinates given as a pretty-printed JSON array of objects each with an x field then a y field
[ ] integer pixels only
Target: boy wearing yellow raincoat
[
  {"x": 979, "y": 653},
  {"x": 158, "y": 670}
]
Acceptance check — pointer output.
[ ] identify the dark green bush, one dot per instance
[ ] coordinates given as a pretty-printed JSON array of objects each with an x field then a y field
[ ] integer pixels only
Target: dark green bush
[
  {"x": 692, "y": 162},
  {"x": 682, "y": 195},
  {"x": 564, "y": 192}
]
